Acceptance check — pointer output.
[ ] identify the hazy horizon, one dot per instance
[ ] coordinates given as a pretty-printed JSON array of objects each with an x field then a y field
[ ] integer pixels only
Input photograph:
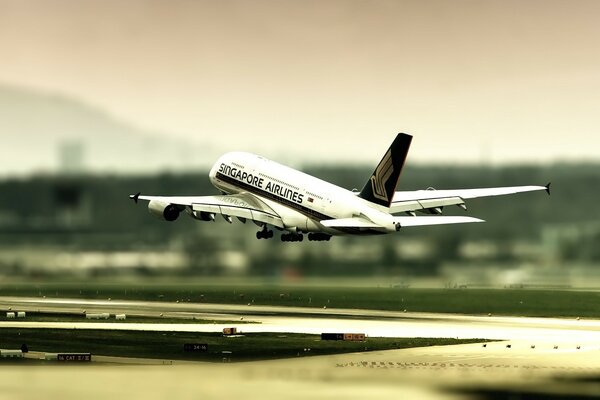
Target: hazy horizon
[{"x": 494, "y": 82}]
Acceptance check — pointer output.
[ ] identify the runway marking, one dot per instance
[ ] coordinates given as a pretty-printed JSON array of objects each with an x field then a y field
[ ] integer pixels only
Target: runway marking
[{"x": 427, "y": 365}]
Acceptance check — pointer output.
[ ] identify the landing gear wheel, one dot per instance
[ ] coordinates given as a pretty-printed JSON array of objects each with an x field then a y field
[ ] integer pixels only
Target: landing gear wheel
[
  {"x": 264, "y": 233},
  {"x": 318, "y": 236},
  {"x": 292, "y": 237}
]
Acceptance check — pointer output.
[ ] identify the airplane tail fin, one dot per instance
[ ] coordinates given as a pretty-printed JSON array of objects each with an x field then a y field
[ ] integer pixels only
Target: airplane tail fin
[{"x": 380, "y": 188}]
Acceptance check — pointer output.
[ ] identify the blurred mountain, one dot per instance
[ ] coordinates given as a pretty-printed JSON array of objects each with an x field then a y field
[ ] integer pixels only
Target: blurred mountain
[{"x": 43, "y": 133}]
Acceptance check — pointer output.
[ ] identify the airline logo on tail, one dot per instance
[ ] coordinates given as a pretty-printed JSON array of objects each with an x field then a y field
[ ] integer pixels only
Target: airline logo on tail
[
  {"x": 384, "y": 171},
  {"x": 380, "y": 187}
]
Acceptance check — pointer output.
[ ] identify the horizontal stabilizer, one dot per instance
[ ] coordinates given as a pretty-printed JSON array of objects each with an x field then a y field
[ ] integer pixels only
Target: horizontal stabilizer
[
  {"x": 362, "y": 223},
  {"x": 349, "y": 223},
  {"x": 434, "y": 220}
]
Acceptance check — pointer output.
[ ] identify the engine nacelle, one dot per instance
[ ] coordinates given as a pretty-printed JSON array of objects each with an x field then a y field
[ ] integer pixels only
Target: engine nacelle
[{"x": 166, "y": 211}]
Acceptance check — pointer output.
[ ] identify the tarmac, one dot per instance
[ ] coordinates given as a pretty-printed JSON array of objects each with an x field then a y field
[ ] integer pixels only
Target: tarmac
[{"x": 533, "y": 357}]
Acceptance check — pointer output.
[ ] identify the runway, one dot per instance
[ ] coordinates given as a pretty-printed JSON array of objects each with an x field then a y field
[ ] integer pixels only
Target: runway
[
  {"x": 436, "y": 373},
  {"x": 538, "y": 356},
  {"x": 375, "y": 323}
]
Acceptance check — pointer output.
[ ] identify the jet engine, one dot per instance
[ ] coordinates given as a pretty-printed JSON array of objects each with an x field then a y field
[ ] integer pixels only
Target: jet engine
[{"x": 166, "y": 211}]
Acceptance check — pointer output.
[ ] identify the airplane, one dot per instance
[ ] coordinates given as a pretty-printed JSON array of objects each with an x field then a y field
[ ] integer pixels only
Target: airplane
[{"x": 274, "y": 195}]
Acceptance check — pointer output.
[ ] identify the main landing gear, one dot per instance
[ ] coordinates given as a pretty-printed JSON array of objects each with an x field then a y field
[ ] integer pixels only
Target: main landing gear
[
  {"x": 318, "y": 237},
  {"x": 292, "y": 237},
  {"x": 264, "y": 234}
]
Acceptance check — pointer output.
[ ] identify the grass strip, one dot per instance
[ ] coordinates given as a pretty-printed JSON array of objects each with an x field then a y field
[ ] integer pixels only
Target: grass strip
[
  {"x": 169, "y": 345},
  {"x": 515, "y": 302}
]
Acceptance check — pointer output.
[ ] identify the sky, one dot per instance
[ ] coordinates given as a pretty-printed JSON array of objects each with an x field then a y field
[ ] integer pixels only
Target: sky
[{"x": 326, "y": 81}]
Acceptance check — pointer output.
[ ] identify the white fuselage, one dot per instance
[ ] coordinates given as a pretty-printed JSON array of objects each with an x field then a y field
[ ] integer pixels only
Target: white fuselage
[{"x": 300, "y": 199}]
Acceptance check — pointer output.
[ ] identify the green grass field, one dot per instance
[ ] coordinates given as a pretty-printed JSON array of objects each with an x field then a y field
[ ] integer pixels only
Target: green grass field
[
  {"x": 169, "y": 345},
  {"x": 80, "y": 317},
  {"x": 517, "y": 302}
]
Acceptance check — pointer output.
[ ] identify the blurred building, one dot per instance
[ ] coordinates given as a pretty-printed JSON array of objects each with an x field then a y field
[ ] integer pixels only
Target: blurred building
[
  {"x": 80, "y": 223},
  {"x": 71, "y": 155}
]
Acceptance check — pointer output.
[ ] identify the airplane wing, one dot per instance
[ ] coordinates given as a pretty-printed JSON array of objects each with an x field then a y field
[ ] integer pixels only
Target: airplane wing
[
  {"x": 408, "y": 201},
  {"x": 244, "y": 206},
  {"x": 362, "y": 223}
]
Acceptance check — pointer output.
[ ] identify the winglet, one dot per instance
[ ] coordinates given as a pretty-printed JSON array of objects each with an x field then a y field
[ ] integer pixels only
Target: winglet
[
  {"x": 135, "y": 197},
  {"x": 548, "y": 188}
]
